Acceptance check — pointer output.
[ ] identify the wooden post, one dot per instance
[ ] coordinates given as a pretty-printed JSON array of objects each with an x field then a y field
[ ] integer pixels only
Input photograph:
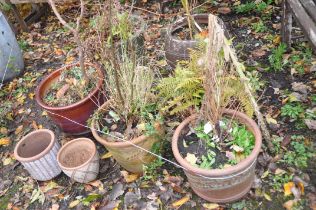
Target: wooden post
[{"x": 287, "y": 21}]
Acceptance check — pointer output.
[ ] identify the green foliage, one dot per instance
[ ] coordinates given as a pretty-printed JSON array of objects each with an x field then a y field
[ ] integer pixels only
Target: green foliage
[
  {"x": 243, "y": 138},
  {"x": 292, "y": 110},
  {"x": 5, "y": 109},
  {"x": 150, "y": 169},
  {"x": 276, "y": 58},
  {"x": 123, "y": 27},
  {"x": 4, "y": 6},
  {"x": 259, "y": 27},
  {"x": 184, "y": 89},
  {"x": 278, "y": 180},
  {"x": 298, "y": 155},
  {"x": 300, "y": 60},
  {"x": 253, "y": 7},
  {"x": 24, "y": 45},
  {"x": 208, "y": 160}
]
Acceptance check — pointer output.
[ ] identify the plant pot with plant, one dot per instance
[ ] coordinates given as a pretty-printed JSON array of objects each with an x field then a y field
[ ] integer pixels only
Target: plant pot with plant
[
  {"x": 79, "y": 159},
  {"x": 72, "y": 93},
  {"x": 218, "y": 147},
  {"x": 128, "y": 125},
  {"x": 37, "y": 151}
]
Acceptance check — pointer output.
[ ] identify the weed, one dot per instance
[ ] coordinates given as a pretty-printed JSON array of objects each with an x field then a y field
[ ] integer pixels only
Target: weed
[
  {"x": 24, "y": 45},
  {"x": 299, "y": 61},
  {"x": 299, "y": 155},
  {"x": 150, "y": 170},
  {"x": 278, "y": 180},
  {"x": 276, "y": 58},
  {"x": 292, "y": 110},
  {"x": 253, "y": 6},
  {"x": 259, "y": 27}
]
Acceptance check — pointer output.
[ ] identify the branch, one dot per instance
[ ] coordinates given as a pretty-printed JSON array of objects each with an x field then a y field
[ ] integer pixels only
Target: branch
[{"x": 52, "y": 4}]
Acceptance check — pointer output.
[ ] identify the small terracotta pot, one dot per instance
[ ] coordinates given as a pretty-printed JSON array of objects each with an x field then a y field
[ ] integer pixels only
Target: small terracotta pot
[
  {"x": 128, "y": 156},
  {"x": 177, "y": 49},
  {"x": 37, "y": 151},
  {"x": 79, "y": 159},
  {"x": 74, "y": 115},
  {"x": 221, "y": 185}
]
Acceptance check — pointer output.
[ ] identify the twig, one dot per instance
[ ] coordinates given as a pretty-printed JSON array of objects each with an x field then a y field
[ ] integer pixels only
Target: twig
[
  {"x": 240, "y": 70},
  {"x": 75, "y": 31}
]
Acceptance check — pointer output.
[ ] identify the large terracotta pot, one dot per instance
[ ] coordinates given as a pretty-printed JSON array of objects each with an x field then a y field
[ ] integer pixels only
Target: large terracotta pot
[
  {"x": 71, "y": 118},
  {"x": 128, "y": 156},
  {"x": 79, "y": 159},
  {"x": 221, "y": 185},
  {"x": 37, "y": 151}
]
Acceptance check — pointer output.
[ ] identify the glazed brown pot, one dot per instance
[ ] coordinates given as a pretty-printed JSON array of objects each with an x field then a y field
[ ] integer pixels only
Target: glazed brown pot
[
  {"x": 177, "y": 49},
  {"x": 127, "y": 155},
  {"x": 37, "y": 152},
  {"x": 221, "y": 185},
  {"x": 71, "y": 118}
]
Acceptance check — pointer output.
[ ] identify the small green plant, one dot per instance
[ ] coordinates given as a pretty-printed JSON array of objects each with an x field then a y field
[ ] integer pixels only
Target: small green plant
[
  {"x": 24, "y": 45},
  {"x": 301, "y": 60},
  {"x": 150, "y": 170},
  {"x": 246, "y": 8},
  {"x": 299, "y": 153},
  {"x": 259, "y": 27},
  {"x": 276, "y": 58},
  {"x": 243, "y": 138},
  {"x": 253, "y": 6},
  {"x": 292, "y": 110},
  {"x": 277, "y": 181}
]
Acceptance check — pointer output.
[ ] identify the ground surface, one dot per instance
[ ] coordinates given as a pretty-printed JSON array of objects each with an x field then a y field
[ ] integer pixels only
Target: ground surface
[{"x": 288, "y": 171}]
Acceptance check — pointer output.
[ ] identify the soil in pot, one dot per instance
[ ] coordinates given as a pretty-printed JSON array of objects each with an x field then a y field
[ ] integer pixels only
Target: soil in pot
[
  {"x": 113, "y": 128},
  {"x": 71, "y": 87},
  {"x": 203, "y": 148},
  {"x": 76, "y": 158}
]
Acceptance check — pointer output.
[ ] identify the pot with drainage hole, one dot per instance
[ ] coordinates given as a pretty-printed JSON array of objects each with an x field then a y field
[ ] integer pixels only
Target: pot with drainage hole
[
  {"x": 37, "y": 152},
  {"x": 79, "y": 159}
]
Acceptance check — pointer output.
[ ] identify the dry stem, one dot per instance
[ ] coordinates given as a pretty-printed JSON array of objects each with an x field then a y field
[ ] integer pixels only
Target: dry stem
[{"x": 75, "y": 32}]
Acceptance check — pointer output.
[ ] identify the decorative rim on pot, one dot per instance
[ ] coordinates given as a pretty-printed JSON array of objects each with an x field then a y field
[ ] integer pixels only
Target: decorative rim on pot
[
  {"x": 75, "y": 141},
  {"x": 42, "y": 153},
  {"x": 243, "y": 118},
  {"x": 41, "y": 102},
  {"x": 103, "y": 141}
]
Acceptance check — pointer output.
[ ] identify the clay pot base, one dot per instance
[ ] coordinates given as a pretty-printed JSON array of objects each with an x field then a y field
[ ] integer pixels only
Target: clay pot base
[{"x": 226, "y": 200}]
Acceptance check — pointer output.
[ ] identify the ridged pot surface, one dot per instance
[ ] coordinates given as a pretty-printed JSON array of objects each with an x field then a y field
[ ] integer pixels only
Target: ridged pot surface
[
  {"x": 37, "y": 152},
  {"x": 127, "y": 155},
  {"x": 86, "y": 171},
  {"x": 221, "y": 185},
  {"x": 71, "y": 118},
  {"x": 177, "y": 49}
]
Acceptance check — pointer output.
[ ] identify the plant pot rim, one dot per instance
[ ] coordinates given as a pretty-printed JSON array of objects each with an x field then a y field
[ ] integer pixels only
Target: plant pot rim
[
  {"x": 55, "y": 73},
  {"x": 41, "y": 154},
  {"x": 244, "y": 164},
  {"x": 76, "y": 141},
  {"x": 180, "y": 23},
  {"x": 103, "y": 141}
]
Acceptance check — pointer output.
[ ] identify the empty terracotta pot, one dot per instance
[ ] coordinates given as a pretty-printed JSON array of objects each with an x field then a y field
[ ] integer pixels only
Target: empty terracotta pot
[
  {"x": 71, "y": 118},
  {"x": 79, "y": 159},
  {"x": 37, "y": 152},
  {"x": 128, "y": 156},
  {"x": 221, "y": 185}
]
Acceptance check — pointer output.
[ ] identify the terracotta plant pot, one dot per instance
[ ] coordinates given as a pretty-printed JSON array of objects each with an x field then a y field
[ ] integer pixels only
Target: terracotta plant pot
[
  {"x": 79, "y": 159},
  {"x": 221, "y": 185},
  {"x": 37, "y": 151},
  {"x": 177, "y": 49},
  {"x": 78, "y": 112},
  {"x": 128, "y": 156}
]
